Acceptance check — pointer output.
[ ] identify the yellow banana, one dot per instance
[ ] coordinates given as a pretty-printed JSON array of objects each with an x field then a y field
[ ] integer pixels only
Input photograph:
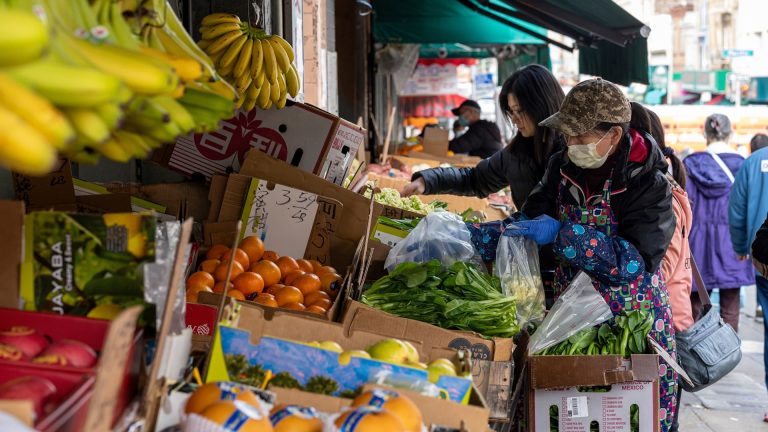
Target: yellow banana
[
  {"x": 66, "y": 85},
  {"x": 242, "y": 84},
  {"x": 239, "y": 103},
  {"x": 257, "y": 58},
  {"x": 178, "y": 113},
  {"x": 220, "y": 30},
  {"x": 223, "y": 42},
  {"x": 111, "y": 113},
  {"x": 132, "y": 143},
  {"x": 187, "y": 68},
  {"x": 219, "y": 18},
  {"x": 265, "y": 94},
  {"x": 243, "y": 64},
  {"x": 37, "y": 111},
  {"x": 228, "y": 59},
  {"x": 286, "y": 46},
  {"x": 269, "y": 104},
  {"x": 89, "y": 125},
  {"x": 253, "y": 91},
  {"x": 23, "y": 37},
  {"x": 222, "y": 88},
  {"x": 204, "y": 44},
  {"x": 275, "y": 90},
  {"x": 22, "y": 147},
  {"x": 280, "y": 55},
  {"x": 249, "y": 104},
  {"x": 113, "y": 150},
  {"x": 292, "y": 81},
  {"x": 281, "y": 103},
  {"x": 270, "y": 63},
  {"x": 259, "y": 79}
]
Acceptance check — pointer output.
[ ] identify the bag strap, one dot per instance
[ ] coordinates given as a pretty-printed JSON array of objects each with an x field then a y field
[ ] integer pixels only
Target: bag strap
[
  {"x": 703, "y": 294},
  {"x": 723, "y": 166}
]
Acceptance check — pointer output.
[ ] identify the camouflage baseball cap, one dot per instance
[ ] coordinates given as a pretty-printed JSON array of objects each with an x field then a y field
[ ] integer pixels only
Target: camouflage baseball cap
[{"x": 588, "y": 104}]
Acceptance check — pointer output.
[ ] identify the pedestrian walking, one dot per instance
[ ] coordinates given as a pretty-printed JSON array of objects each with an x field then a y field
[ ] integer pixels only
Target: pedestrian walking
[{"x": 711, "y": 174}]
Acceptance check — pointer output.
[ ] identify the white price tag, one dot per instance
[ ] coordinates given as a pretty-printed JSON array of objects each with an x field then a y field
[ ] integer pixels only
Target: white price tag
[{"x": 577, "y": 407}]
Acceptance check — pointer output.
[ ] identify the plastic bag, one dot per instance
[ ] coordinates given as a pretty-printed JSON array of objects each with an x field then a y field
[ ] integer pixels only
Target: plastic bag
[
  {"x": 157, "y": 275},
  {"x": 517, "y": 265},
  {"x": 440, "y": 235},
  {"x": 578, "y": 308}
]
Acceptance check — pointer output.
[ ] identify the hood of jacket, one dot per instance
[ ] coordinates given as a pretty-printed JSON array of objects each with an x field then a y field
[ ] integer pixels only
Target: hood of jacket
[{"x": 707, "y": 175}]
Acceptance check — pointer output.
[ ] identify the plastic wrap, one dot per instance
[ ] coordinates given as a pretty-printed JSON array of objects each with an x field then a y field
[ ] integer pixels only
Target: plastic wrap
[
  {"x": 440, "y": 235},
  {"x": 157, "y": 275},
  {"x": 517, "y": 266},
  {"x": 578, "y": 308}
]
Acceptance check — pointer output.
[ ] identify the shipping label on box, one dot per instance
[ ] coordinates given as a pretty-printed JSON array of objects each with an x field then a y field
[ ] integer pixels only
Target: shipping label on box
[{"x": 388, "y": 235}]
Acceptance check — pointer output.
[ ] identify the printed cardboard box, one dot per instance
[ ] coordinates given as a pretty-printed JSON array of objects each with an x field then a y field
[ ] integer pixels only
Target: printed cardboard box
[
  {"x": 608, "y": 391},
  {"x": 302, "y": 135}
]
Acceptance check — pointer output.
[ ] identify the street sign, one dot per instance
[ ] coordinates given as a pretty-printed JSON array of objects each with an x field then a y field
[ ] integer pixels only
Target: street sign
[{"x": 738, "y": 53}]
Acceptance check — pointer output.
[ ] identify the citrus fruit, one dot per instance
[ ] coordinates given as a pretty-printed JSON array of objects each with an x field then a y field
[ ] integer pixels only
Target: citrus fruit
[
  {"x": 236, "y": 294},
  {"x": 315, "y": 296},
  {"x": 291, "y": 276},
  {"x": 293, "y": 418},
  {"x": 323, "y": 303},
  {"x": 237, "y": 416},
  {"x": 316, "y": 309},
  {"x": 269, "y": 271},
  {"x": 325, "y": 269},
  {"x": 221, "y": 271},
  {"x": 315, "y": 265},
  {"x": 216, "y": 251},
  {"x": 201, "y": 278},
  {"x": 249, "y": 283},
  {"x": 363, "y": 419},
  {"x": 254, "y": 247},
  {"x": 194, "y": 290},
  {"x": 305, "y": 265},
  {"x": 209, "y": 265},
  {"x": 219, "y": 287},
  {"x": 330, "y": 283},
  {"x": 307, "y": 283},
  {"x": 394, "y": 403},
  {"x": 288, "y": 294},
  {"x": 294, "y": 306},
  {"x": 273, "y": 288},
  {"x": 270, "y": 256},
  {"x": 286, "y": 264},
  {"x": 240, "y": 257},
  {"x": 208, "y": 394},
  {"x": 265, "y": 299}
]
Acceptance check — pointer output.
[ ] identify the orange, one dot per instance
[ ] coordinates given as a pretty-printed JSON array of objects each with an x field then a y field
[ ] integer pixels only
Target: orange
[
  {"x": 294, "y": 306},
  {"x": 221, "y": 271},
  {"x": 291, "y": 276},
  {"x": 254, "y": 247},
  {"x": 286, "y": 264},
  {"x": 216, "y": 251},
  {"x": 330, "y": 283},
  {"x": 288, "y": 294},
  {"x": 315, "y": 265},
  {"x": 270, "y": 256},
  {"x": 323, "y": 303},
  {"x": 269, "y": 271},
  {"x": 236, "y": 294},
  {"x": 201, "y": 278},
  {"x": 307, "y": 283},
  {"x": 219, "y": 287},
  {"x": 247, "y": 418},
  {"x": 305, "y": 265},
  {"x": 249, "y": 283},
  {"x": 316, "y": 309},
  {"x": 240, "y": 256},
  {"x": 325, "y": 269},
  {"x": 265, "y": 299},
  {"x": 313, "y": 297},
  {"x": 193, "y": 290},
  {"x": 274, "y": 288},
  {"x": 209, "y": 265},
  {"x": 208, "y": 394}
]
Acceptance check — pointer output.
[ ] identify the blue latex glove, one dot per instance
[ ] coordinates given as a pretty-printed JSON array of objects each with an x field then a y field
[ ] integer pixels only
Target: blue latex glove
[{"x": 543, "y": 230}]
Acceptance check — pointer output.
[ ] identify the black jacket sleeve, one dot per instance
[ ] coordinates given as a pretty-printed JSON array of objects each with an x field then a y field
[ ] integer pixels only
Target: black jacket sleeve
[
  {"x": 482, "y": 180},
  {"x": 471, "y": 140},
  {"x": 647, "y": 219},
  {"x": 760, "y": 245},
  {"x": 543, "y": 197}
]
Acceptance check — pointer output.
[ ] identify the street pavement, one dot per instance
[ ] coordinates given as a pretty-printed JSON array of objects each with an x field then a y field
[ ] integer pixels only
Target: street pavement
[{"x": 737, "y": 402}]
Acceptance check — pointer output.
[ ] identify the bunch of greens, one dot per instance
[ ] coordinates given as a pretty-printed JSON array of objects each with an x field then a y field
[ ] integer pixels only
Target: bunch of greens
[
  {"x": 407, "y": 224},
  {"x": 626, "y": 337},
  {"x": 459, "y": 297},
  {"x": 392, "y": 198}
]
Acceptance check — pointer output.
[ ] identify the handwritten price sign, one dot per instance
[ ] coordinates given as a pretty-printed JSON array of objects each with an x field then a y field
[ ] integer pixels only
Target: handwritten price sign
[{"x": 282, "y": 217}]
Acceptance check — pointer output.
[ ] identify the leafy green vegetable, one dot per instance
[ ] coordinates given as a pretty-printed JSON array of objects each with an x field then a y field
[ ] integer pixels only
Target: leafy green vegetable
[
  {"x": 459, "y": 297},
  {"x": 391, "y": 197}
]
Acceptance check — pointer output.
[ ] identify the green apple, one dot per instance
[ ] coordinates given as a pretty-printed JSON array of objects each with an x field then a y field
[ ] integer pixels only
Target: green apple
[
  {"x": 419, "y": 365},
  {"x": 331, "y": 346},
  {"x": 413, "y": 354},
  {"x": 390, "y": 350},
  {"x": 435, "y": 371},
  {"x": 346, "y": 356}
]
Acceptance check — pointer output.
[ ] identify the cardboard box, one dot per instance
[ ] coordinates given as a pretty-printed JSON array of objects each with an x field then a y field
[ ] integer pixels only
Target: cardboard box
[
  {"x": 492, "y": 364},
  {"x": 436, "y": 141},
  {"x": 567, "y": 384},
  {"x": 302, "y": 135},
  {"x": 11, "y": 231}
]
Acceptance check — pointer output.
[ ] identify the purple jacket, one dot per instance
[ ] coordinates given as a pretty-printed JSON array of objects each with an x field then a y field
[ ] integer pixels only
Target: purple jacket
[{"x": 708, "y": 189}]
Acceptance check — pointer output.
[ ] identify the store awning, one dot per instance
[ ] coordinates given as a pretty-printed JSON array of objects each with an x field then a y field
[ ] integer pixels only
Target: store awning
[{"x": 612, "y": 42}]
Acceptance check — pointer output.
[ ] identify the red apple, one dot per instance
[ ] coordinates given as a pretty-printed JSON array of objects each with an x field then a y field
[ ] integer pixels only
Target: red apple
[
  {"x": 38, "y": 390},
  {"x": 27, "y": 339},
  {"x": 68, "y": 352},
  {"x": 10, "y": 352}
]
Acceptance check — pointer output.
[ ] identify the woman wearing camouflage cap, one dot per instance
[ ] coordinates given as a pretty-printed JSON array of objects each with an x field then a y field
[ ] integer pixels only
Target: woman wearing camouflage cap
[{"x": 606, "y": 206}]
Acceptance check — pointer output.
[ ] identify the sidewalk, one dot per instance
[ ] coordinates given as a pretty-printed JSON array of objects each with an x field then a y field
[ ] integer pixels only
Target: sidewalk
[{"x": 736, "y": 403}]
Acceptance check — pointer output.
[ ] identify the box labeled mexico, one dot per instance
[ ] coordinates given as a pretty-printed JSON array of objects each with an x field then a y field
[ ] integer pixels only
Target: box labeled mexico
[{"x": 302, "y": 135}]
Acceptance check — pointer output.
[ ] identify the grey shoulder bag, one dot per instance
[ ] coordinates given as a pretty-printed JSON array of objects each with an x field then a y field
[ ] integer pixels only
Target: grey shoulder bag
[{"x": 710, "y": 348}]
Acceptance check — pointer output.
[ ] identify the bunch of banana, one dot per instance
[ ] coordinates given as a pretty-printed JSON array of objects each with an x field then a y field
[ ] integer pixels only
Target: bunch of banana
[{"x": 260, "y": 66}]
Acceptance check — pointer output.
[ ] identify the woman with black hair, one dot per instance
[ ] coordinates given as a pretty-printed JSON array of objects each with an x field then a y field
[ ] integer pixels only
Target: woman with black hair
[{"x": 527, "y": 97}]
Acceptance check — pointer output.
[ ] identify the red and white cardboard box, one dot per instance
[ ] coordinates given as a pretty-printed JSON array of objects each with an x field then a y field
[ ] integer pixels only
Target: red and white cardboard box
[{"x": 302, "y": 135}]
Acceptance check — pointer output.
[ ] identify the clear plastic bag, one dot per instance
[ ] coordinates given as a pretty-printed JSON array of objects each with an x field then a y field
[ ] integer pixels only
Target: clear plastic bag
[
  {"x": 517, "y": 266},
  {"x": 578, "y": 308},
  {"x": 157, "y": 275},
  {"x": 440, "y": 235}
]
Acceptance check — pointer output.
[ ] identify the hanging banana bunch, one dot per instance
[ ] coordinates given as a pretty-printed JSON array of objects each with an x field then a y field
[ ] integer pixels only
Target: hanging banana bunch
[{"x": 259, "y": 65}]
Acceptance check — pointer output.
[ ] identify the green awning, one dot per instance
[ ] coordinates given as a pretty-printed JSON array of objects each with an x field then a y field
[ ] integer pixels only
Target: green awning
[{"x": 452, "y": 51}]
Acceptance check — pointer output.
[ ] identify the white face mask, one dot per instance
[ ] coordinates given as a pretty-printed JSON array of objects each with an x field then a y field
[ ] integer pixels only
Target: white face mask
[{"x": 586, "y": 156}]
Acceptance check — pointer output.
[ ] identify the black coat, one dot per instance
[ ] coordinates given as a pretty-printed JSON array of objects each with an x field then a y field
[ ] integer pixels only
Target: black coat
[
  {"x": 641, "y": 198},
  {"x": 482, "y": 139},
  {"x": 514, "y": 166},
  {"x": 760, "y": 245}
]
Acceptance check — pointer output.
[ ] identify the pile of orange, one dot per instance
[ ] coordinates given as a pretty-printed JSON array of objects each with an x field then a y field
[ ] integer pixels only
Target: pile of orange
[{"x": 266, "y": 278}]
